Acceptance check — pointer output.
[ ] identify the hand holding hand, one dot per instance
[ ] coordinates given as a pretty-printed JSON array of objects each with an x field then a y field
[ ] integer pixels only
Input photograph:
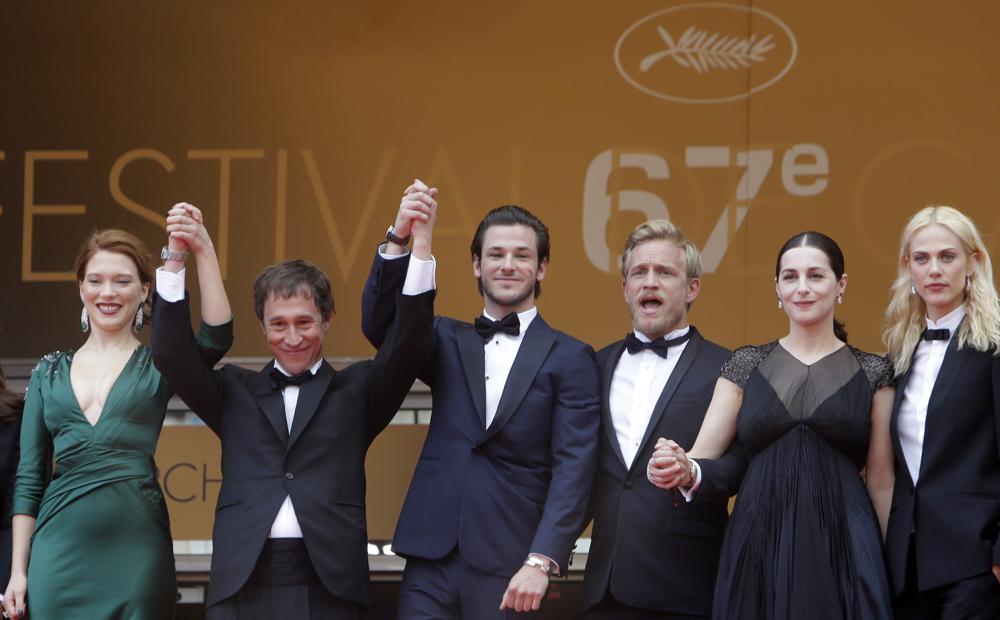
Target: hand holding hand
[
  {"x": 185, "y": 227},
  {"x": 15, "y": 598},
  {"x": 417, "y": 212},
  {"x": 669, "y": 466},
  {"x": 525, "y": 590}
]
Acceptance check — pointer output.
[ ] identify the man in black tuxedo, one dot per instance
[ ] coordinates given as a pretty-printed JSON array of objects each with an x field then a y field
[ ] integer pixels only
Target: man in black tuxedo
[
  {"x": 499, "y": 494},
  {"x": 653, "y": 553},
  {"x": 290, "y": 538}
]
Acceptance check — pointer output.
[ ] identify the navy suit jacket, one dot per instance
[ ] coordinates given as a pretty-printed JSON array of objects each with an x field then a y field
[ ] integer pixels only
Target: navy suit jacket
[
  {"x": 648, "y": 552},
  {"x": 319, "y": 463},
  {"x": 954, "y": 509},
  {"x": 520, "y": 486}
]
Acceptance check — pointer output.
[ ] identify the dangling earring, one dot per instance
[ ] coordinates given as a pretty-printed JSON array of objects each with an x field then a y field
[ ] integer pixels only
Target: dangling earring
[
  {"x": 968, "y": 283},
  {"x": 84, "y": 321},
  {"x": 840, "y": 298},
  {"x": 913, "y": 287},
  {"x": 138, "y": 319},
  {"x": 780, "y": 305}
]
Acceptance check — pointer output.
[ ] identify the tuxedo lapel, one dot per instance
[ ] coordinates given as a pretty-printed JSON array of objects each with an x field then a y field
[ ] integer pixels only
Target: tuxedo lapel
[
  {"x": 535, "y": 346},
  {"x": 683, "y": 364},
  {"x": 470, "y": 349},
  {"x": 270, "y": 401},
  {"x": 897, "y": 447},
  {"x": 310, "y": 395},
  {"x": 950, "y": 367},
  {"x": 606, "y": 420}
]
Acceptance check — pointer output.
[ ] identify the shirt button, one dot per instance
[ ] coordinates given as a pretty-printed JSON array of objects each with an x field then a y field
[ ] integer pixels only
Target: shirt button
[
  {"x": 289, "y": 475},
  {"x": 487, "y": 377}
]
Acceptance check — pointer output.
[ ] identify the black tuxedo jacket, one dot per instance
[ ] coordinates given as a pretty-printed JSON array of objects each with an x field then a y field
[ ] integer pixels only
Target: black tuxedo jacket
[
  {"x": 320, "y": 463},
  {"x": 954, "y": 509},
  {"x": 649, "y": 553},
  {"x": 520, "y": 485}
]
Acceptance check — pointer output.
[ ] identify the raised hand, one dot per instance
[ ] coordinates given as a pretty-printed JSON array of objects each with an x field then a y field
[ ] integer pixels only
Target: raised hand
[
  {"x": 185, "y": 227},
  {"x": 416, "y": 216},
  {"x": 669, "y": 467}
]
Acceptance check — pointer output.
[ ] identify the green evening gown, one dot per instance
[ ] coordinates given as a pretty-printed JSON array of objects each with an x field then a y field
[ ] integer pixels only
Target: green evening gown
[{"x": 101, "y": 547}]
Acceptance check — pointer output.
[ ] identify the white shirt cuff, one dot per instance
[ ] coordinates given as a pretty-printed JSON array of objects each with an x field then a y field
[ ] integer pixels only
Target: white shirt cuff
[
  {"x": 689, "y": 492},
  {"x": 170, "y": 285},
  {"x": 419, "y": 276},
  {"x": 385, "y": 244}
]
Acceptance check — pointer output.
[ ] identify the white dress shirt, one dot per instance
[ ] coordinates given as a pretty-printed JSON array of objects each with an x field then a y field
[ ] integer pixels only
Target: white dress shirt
[
  {"x": 499, "y": 354},
  {"x": 924, "y": 368},
  {"x": 286, "y": 524},
  {"x": 419, "y": 279},
  {"x": 636, "y": 386}
]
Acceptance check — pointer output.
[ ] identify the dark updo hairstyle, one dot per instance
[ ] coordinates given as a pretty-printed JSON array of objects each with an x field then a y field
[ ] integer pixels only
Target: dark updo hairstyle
[
  {"x": 11, "y": 404},
  {"x": 826, "y": 245},
  {"x": 120, "y": 242}
]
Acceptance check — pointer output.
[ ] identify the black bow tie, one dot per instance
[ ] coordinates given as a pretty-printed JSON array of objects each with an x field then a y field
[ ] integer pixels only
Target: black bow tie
[
  {"x": 487, "y": 328},
  {"x": 280, "y": 380},
  {"x": 658, "y": 346},
  {"x": 937, "y": 334}
]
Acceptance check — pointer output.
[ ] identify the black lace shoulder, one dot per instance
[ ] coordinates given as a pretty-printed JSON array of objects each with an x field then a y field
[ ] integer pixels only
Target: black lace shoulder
[
  {"x": 743, "y": 360},
  {"x": 877, "y": 368}
]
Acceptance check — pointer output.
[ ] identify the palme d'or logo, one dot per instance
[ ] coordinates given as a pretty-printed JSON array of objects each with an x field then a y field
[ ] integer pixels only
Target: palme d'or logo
[{"x": 705, "y": 53}]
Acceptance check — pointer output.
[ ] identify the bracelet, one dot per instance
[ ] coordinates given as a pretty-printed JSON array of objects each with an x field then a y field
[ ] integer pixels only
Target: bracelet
[
  {"x": 175, "y": 255},
  {"x": 691, "y": 473}
]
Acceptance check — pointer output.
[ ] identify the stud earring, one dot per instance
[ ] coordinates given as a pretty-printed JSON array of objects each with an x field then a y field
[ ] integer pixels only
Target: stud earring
[
  {"x": 84, "y": 321},
  {"x": 138, "y": 319}
]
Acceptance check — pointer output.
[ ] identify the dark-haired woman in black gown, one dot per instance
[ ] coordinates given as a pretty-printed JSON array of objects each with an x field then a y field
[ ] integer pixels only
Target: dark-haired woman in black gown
[{"x": 811, "y": 412}]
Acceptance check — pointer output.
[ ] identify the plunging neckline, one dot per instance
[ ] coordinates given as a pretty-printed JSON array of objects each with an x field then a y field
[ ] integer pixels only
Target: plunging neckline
[{"x": 107, "y": 399}]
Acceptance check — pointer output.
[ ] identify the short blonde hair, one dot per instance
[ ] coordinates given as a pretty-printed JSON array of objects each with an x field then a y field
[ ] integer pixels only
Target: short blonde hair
[
  {"x": 655, "y": 230},
  {"x": 904, "y": 318}
]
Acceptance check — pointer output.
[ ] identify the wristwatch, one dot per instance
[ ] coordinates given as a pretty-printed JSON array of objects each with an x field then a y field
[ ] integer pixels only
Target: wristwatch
[
  {"x": 537, "y": 562},
  {"x": 177, "y": 255},
  {"x": 391, "y": 238}
]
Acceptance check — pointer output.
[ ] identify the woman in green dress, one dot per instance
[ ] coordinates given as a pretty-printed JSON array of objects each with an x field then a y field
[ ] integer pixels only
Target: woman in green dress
[{"x": 91, "y": 538}]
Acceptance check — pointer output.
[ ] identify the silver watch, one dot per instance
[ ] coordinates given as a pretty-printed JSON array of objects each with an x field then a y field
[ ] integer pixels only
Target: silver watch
[
  {"x": 177, "y": 255},
  {"x": 540, "y": 564}
]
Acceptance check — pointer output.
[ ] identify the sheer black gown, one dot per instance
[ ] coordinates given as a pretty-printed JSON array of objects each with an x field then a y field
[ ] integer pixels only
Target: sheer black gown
[{"x": 803, "y": 540}]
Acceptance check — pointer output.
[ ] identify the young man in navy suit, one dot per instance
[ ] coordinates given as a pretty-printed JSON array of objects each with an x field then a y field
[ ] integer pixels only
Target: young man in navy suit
[
  {"x": 653, "y": 554},
  {"x": 500, "y": 491}
]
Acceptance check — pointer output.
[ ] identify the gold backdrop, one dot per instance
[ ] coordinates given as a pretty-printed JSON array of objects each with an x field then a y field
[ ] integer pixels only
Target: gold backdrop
[{"x": 295, "y": 125}]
